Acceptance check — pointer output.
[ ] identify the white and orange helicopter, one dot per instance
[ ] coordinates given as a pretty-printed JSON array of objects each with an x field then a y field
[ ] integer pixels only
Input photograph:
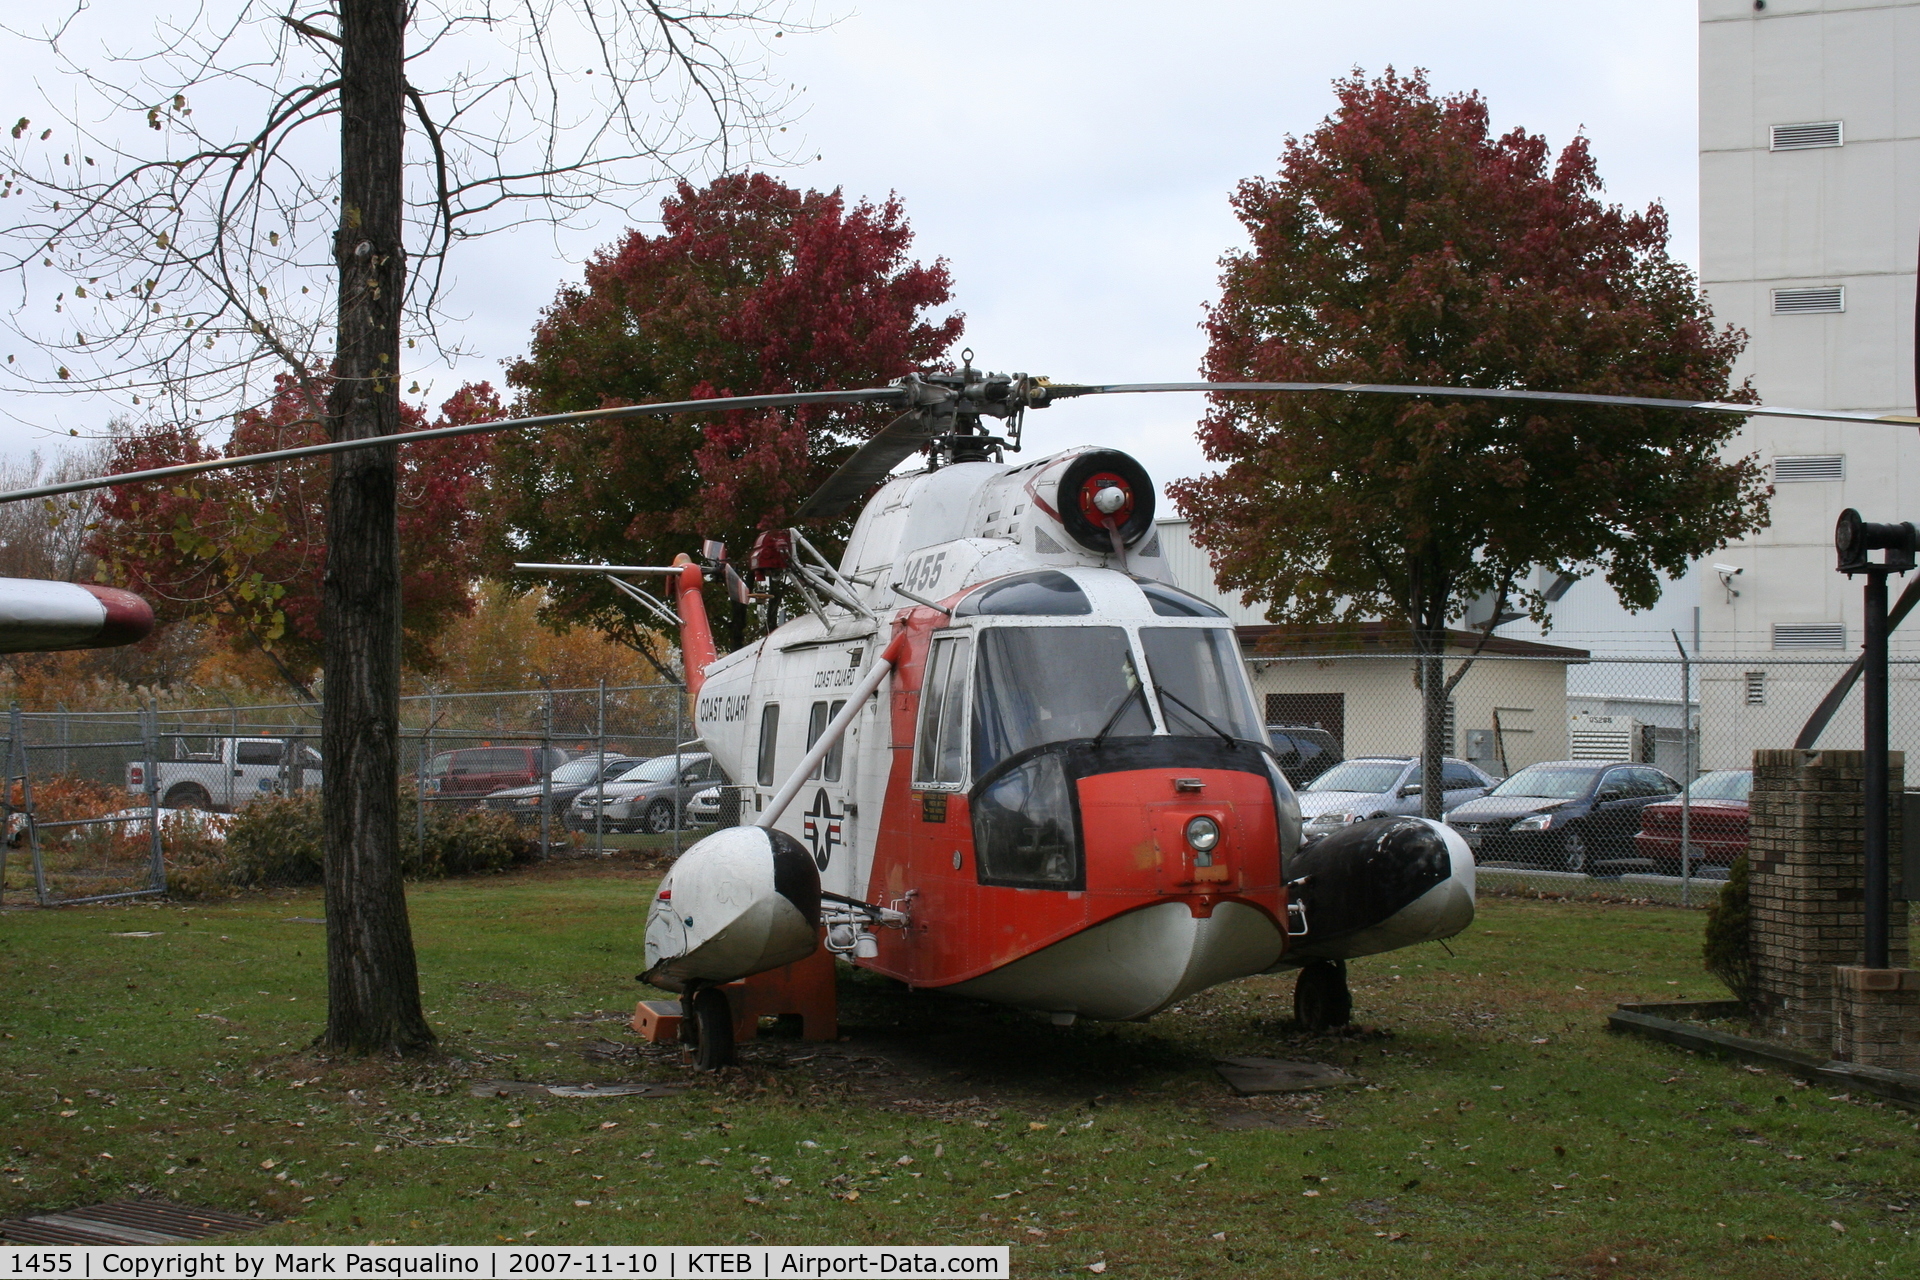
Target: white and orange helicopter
[
  {"x": 998, "y": 752},
  {"x": 1028, "y": 765}
]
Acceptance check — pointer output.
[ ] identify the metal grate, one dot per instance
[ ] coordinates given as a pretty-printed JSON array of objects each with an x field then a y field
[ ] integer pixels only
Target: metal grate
[
  {"x": 1756, "y": 688},
  {"x": 1813, "y": 466},
  {"x": 1804, "y": 137},
  {"x": 126, "y": 1222},
  {"x": 1809, "y": 635},
  {"x": 1822, "y": 300}
]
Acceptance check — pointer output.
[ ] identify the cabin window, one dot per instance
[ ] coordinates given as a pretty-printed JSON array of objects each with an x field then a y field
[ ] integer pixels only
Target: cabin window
[
  {"x": 1037, "y": 685},
  {"x": 1172, "y": 602},
  {"x": 828, "y": 770},
  {"x": 941, "y": 760},
  {"x": 1024, "y": 830},
  {"x": 1047, "y": 593},
  {"x": 1201, "y": 686},
  {"x": 769, "y": 738}
]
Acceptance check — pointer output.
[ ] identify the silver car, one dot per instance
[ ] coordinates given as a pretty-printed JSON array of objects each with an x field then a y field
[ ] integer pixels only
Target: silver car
[
  {"x": 649, "y": 797},
  {"x": 1379, "y": 787}
]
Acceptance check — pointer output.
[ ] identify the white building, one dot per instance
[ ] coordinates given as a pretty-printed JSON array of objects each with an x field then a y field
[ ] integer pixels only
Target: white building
[{"x": 1809, "y": 229}]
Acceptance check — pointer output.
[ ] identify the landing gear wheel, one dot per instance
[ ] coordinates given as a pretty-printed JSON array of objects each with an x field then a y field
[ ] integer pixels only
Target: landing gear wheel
[
  {"x": 188, "y": 796},
  {"x": 658, "y": 819},
  {"x": 710, "y": 1024},
  {"x": 1573, "y": 852},
  {"x": 1321, "y": 1000}
]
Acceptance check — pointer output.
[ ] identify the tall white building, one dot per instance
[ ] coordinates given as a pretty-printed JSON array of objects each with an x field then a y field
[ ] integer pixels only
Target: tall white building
[
  {"x": 1809, "y": 233},
  {"x": 1809, "y": 230}
]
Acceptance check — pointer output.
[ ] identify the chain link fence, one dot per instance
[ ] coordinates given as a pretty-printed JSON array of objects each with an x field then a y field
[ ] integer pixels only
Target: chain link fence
[
  {"x": 1623, "y": 737},
  {"x": 100, "y": 804}
]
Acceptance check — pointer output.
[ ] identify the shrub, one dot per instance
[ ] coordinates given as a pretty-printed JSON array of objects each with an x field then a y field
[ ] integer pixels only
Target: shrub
[
  {"x": 1725, "y": 951},
  {"x": 279, "y": 841}
]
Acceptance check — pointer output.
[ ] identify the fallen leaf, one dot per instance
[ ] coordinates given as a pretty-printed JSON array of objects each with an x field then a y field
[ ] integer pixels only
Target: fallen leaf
[{"x": 1096, "y": 1267}]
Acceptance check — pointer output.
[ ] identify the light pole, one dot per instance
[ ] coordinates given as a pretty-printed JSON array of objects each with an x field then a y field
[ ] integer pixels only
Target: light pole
[{"x": 1853, "y": 538}]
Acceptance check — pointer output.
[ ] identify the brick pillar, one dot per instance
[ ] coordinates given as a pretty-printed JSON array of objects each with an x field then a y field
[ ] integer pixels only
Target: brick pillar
[
  {"x": 1805, "y": 874},
  {"x": 1876, "y": 1017}
]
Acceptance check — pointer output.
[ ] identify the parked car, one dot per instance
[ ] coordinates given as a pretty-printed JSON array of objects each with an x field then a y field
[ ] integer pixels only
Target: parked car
[
  {"x": 472, "y": 772},
  {"x": 1570, "y": 815},
  {"x": 1380, "y": 787},
  {"x": 720, "y": 806},
  {"x": 1716, "y": 825},
  {"x": 649, "y": 797},
  {"x": 233, "y": 772},
  {"x": 566, "y": 782},
  {"x": 1305, "y": 753}
]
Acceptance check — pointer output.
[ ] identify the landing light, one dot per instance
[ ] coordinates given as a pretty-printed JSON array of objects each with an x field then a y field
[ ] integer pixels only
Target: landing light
[{"x": 1203, "y": 833}]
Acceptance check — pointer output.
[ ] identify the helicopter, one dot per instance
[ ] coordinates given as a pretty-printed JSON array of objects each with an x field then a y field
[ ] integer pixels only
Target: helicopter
[
  {"x": 1032, "y": 769},
  {"x": 997, "y": 752}
]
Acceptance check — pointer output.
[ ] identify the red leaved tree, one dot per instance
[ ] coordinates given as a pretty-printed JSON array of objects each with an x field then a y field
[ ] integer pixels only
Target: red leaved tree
[
  {"x": 751, "y": 287},
  {"x": 1403, "y": 243},
  {"x": 245, "y": 549}
]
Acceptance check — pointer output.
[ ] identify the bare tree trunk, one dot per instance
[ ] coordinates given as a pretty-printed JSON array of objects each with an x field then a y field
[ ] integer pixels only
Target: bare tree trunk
[
  {"x": 373, "y": 985},
  {"x": 1431, "y": 645}
]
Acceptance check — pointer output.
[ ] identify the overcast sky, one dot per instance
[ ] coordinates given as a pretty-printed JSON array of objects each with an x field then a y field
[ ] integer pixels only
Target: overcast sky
[{"x": 1072, "y": 161}]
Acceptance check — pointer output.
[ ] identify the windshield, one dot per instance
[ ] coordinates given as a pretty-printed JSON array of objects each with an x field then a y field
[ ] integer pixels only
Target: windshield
[
  {"x": 1545, "y": 782},
  {"x": 577, "y": 771},
  {"x": 1034, "y": 685},
  {"x": 1201, "y": 686},
  {"x": 1728, "y": 784},
  {"x": 658, "y": 769},
  {"x": 1370, "y": 777}
]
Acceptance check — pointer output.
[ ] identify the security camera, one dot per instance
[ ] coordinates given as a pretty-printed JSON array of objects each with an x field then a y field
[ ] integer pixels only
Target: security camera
[
  {"x": 1727, "y": 573},
  {"x": 1727, "y": 570}
]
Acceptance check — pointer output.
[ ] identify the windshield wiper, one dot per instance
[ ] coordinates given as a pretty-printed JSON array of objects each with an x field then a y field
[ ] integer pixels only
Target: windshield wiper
[
  {"x": 1166, "y": 693},
  {"x": 1114, "y": 719}
]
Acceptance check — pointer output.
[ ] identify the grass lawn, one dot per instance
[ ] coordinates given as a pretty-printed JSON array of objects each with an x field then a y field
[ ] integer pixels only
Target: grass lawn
[{"x": 1501, "y": 1130}]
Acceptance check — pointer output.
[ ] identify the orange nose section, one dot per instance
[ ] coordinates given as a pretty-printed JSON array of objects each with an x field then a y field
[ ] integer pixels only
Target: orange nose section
[{"x": 1142, "y": 839}]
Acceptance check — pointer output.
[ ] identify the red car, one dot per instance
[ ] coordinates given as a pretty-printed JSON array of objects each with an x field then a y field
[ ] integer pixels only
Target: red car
[{"x": 1716, "y": 827}]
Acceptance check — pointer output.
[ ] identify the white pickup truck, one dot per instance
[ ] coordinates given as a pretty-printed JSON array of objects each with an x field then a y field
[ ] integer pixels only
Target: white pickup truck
[{"x": 237, "y": 770}]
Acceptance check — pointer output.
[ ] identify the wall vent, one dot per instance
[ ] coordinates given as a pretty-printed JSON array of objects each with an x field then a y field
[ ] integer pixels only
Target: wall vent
[
  {"x": 1803, "y": 302},
  {"x": 1807, "y": 467},
  {"x": 1809, "y": 635},
  {"x": 1805, "y": 137},
  {"x": 1756, "y": 688},
  {"x": 1605, "y": 738}
]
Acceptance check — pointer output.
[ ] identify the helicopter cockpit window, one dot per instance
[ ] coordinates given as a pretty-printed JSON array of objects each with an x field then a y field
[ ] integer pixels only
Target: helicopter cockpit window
[
  {"x": 941, "y": 760},
  {"x": 1172, "y": 602},
  {"x": 1023, "y": 828},
  {"x": 1035, "y": 685},
  {"x": 1200, "y": 684},
  {"x": 1047, "y": 593}
]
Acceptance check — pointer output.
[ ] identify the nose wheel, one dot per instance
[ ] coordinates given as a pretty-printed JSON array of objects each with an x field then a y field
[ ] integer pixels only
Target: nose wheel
[
  {"x": 706, "y": 1022},
  {"x": 1321, "y": 999}
]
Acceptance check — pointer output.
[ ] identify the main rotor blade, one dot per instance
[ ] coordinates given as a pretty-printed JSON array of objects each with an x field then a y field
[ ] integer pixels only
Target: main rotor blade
[
  {"x": 888, "y": 448},
  {"x": 905, "y": 434},
  {"x": 1061, "y": 391},
  {"x": 468, "y": 429}
]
